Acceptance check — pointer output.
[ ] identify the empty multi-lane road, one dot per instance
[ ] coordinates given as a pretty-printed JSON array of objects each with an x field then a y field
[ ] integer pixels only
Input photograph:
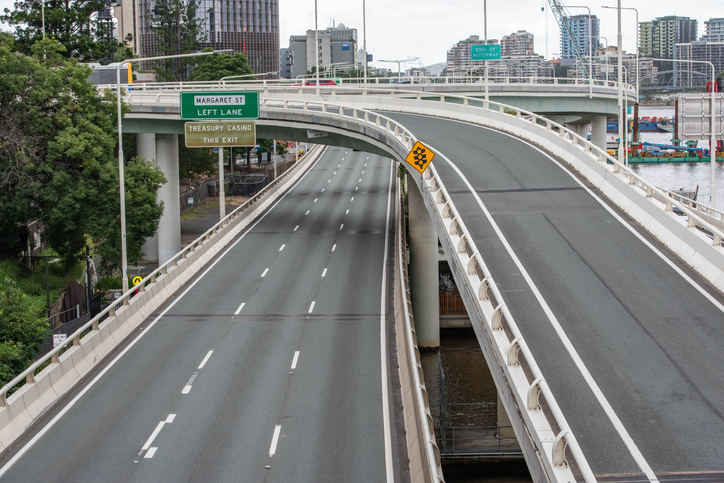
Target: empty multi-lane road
[{"x": 268, "y": 366}]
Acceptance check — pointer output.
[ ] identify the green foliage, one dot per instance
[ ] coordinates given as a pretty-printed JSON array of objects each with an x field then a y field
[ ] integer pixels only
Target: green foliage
[
  {"x": 57, "y": 157},
  {"x": 216, "y": 66},
  {"x": 22, "y": 328},
  {"x": 196, "y": 162},
  {"x": 178, "y": 31},
  {"x": 142, "y": 180},
  {"x": 71, "y": 22}
]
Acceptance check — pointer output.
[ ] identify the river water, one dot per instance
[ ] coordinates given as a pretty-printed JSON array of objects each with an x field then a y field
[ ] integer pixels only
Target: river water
[{"x": 674, "y": 176}]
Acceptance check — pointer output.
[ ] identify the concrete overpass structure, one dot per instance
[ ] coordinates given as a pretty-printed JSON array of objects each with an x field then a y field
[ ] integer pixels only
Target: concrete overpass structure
[{"x": 568, "y": 299}]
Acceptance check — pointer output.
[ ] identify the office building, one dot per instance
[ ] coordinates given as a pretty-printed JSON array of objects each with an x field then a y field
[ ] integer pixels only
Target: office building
[
  {"x": 337, "y": 50},
  {"x": 124, "y": 12},
  {"x": 510, "y": 68},
  {"x": 658, "y": 37},
  {"x": 579, "y": 35},
  {"x": 517, "y": 43},
  {"x": 250, "y": 27}
]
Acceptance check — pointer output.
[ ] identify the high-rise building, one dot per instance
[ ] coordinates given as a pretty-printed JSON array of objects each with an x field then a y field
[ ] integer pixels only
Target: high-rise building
[
  {"x": 459, "y": 61},
  {"x": 250, "y": 27},
  {"x": 714, "y": 30},
  {"x": 580, "y": 32},
  {"x": 658, "y": 37},
  {"x": 517, "y": 43},
  {"x": 337, "y": 50}
]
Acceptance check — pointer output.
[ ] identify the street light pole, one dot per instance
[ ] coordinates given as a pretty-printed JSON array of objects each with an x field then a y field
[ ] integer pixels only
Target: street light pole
[
  {"x": 316, "y": 43},
  {"x": 121, "y": 180},
  {"x": 364, "y": 38},
  {"x": 621, "y": 118},
  {"x": 485, "y": 33},
  {"x": 637, "y": 46}
]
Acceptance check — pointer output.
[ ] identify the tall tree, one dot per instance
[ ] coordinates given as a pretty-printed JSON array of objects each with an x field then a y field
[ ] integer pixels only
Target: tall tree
[
  {"x": 75, "y": 24},
  {"x": 217, "y": 66},
  {"x": 177, "y": 31},
  {"x": 57, "y": 156}
]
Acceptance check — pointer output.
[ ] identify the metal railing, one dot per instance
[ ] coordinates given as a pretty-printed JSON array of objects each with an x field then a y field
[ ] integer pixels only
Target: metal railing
[
  {"x": 478, "y": 441},
  {"x": 373, "y": 82},
  {"x": 97, "y": 322}
]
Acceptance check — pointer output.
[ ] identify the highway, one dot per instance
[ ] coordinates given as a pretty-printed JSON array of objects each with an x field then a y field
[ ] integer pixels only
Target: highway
[
  {"x": 628, "y": 338},
  {"x": 268, "y": 367}
]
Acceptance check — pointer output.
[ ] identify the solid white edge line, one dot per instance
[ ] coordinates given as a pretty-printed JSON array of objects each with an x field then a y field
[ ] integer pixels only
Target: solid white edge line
[
  {"x": 383, "y": 339},
  {"x": 208, "y": 356},
  {"x": 295, "y": 360},
  {"x": 21, "y": 452},
  {"x": 155, "y": 432},
  {"x": 275, "y": 440},
  {"x": 311, "y": 307},
  {"x": 263, "y": 274},
  {"x": 608, "y": 409},
  {"x": 238, "y": 311},
  {"x": 151, "y": 452}
]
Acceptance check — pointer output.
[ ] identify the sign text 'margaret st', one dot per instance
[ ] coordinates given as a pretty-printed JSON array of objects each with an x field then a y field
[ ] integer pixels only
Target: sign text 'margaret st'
[{"x": 220, "y": 106}]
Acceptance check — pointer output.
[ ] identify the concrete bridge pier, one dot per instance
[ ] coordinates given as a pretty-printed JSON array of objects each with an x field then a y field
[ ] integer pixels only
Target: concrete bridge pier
[
  {"x": 424, "y": 282},
  {"x": 598, "y": 131},
  {"x": 579, "y": 128},
  {"x": 169, "y": 228},
  {"x": 146, "y": 148}
]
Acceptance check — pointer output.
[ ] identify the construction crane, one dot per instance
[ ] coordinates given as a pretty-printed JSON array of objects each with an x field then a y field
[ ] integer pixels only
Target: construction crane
[{"x": 560, "y": 12}]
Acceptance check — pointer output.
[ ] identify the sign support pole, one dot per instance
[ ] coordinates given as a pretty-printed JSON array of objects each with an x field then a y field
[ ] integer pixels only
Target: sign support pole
[{"x": 222, "y": 199}]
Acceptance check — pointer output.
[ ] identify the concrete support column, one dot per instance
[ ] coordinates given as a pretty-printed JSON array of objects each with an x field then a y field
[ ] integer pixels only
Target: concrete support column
[
  {"x": 506, "y": 429},
  {"x": 598, "y": 131},
  {"x": 169, "y": 228},
  {"x": 424, "y": 284},
  {"x": 580, "y": 129},
  {"x": 146, "y": 148}
]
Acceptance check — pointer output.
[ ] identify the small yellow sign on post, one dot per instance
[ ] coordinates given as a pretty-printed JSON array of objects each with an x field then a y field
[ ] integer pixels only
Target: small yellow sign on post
[
  {"x": 420, "y": 157},
  {"x": 136, "y": 280}
]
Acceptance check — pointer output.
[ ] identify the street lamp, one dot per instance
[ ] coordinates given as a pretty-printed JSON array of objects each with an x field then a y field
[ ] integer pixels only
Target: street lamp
[
  {"x": 364, "y": 38},
  {"x": 316, "y": 45},
  {"x": 246, "y": 75},
  {"x": 399, "y": 63},
  {"x": 590, "y": 45},
  {"x": 485, "y": 34},
  {"x": 637, "y": 46},
  {"x": 121, "y": 180}
]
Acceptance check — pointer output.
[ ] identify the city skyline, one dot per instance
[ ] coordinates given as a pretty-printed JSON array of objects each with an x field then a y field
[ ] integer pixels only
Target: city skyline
[{"x": 417, "y": 29}]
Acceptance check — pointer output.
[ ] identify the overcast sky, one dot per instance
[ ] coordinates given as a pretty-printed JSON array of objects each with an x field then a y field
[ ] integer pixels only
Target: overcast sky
[{"x": 401, "y": 29}]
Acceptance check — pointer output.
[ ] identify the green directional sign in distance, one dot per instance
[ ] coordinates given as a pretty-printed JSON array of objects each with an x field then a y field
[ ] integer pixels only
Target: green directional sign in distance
[
  {"x": 220, "y": 105},
  {"x": 484, "y": 52}
]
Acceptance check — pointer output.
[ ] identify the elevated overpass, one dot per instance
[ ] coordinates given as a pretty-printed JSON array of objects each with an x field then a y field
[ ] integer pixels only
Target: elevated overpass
[{"x": 628, "y": 374}]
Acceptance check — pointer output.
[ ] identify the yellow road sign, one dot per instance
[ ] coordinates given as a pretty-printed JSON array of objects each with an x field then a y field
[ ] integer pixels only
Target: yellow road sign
[
  {"x": 136, "y": 280},
  {"x": 220, "y": 134},
  {"x": 420, "y": 157}
]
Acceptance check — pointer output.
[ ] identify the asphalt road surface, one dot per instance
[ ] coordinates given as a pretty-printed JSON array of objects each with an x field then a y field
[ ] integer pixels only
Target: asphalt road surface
[
  {"x": 267, "y": 370},
  {"x": 631, "y": 348}
]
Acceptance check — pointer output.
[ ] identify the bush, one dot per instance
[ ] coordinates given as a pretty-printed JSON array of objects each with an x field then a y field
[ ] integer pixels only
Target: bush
[{"x": 22, "y": 328}]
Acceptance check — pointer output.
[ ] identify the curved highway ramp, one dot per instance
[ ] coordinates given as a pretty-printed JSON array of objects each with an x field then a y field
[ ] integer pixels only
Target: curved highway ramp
[{"x": 628, "y": 337}]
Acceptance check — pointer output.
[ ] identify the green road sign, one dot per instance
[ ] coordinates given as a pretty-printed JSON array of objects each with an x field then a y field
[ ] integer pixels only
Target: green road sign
[
  {"x": 484, "y": 52},
  {"x": 220, "y": 134},
  {"x": 220, "y": 105}
]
